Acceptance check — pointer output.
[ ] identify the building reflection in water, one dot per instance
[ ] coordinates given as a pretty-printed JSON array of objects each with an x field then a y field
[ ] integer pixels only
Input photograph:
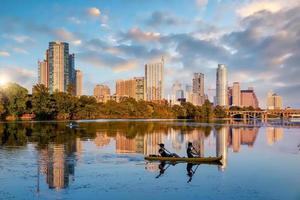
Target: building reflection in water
[
  {"x": 57, "y": 162},
  {"x": 274, "y": 134},
  {"x": 222, "y": 145},
  {"x": 101, "y": 139},
  {"x": 242, "y": 136}
]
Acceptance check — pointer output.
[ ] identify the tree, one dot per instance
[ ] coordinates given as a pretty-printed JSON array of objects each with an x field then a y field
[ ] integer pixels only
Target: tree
[
  {"x": 219, "y": 112},
  {"x": 15, "y": 99},
  {"x": 207, "y": 110},
  {"x": 41, "y": 102}
]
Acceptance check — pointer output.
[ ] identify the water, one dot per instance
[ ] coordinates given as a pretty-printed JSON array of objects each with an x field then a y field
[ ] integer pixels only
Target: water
[{"x": 105, "y": 160}]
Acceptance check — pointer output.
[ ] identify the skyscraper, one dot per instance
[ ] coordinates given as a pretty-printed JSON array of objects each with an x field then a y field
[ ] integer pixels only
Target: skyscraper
[
  {"x": 78, "y": 85},
  {"x": 236, "y": 94},
  {"x": 274, "y": 101},
  {"x": 221, "y": 86},
  {"x": 198, "y": 88},
  {"x": 43, "y": 75},
  {"x": 102, "y": 93},
  {"x": 57, "y": 71},
  {"x": 154, "y": 81},
  {"x": 60, "y": 69}
]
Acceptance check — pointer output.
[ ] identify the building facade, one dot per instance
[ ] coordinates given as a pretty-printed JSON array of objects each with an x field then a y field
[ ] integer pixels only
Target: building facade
[
  {"x": 78, "y": 85},
  {"x": 236, "y": 94},
  {"x": 102, "y": 93},
  {"x": 139, "y": 88},
  {"x": 274, "y": 101},
  {"x": 43, "y": 75},
  {"x": 154, "y": 81},
  {"x": 126, "y": 88},
  {"x": 221, "y": 86},
  {"x": 248, "y": 98}
]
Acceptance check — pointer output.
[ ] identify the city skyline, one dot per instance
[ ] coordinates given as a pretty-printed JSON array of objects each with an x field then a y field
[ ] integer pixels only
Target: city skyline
[{"x": 109, "y": 45}]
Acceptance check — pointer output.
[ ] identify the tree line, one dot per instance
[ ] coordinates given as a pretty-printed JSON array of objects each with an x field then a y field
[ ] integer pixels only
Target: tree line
[{"x": 15, "y": 102}]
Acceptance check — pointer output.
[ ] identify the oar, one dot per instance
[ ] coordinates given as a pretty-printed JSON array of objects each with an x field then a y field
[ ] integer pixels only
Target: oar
[
  {"x": 193, "y": 172},
  {"x": 198, "y": 152},
  {"x": 164, "y": 171}
]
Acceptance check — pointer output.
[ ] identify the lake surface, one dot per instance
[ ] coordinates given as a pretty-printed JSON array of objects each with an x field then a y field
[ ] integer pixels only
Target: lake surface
[{"x": 105, "y": 160}]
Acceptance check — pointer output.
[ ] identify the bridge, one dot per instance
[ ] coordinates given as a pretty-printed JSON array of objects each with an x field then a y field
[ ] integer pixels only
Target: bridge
[{"x": 264, "y": 114}]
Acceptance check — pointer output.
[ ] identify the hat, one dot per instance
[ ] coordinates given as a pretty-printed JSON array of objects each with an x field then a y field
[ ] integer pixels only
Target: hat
[{"x": 190, "y": 144}]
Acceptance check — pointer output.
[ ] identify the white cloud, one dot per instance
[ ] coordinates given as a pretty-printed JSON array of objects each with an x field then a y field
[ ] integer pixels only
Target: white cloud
[
  {"x": 139, "y": 35},
  {"x": 268, "y": 5},
  {"x": 125, "y": 66},
  {"x": 20, "y": 50},
  {"x": 74, "y": 20},
  {"x": 94, "y": 12},
  {"x": 4, "y": 53}
]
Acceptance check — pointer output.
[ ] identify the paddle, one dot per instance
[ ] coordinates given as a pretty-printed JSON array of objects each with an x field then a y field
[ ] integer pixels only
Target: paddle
[
  {"x": 197, "y": 152},
  {"x": 193, "y": 172}
]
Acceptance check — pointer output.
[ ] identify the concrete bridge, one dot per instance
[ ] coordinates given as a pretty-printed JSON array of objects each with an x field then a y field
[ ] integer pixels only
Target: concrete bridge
[{"x": 264, "y": 114}]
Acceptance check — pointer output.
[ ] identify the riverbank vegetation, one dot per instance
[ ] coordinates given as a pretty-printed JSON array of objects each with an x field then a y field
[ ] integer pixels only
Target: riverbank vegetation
[{"x": 15, "y": 103}]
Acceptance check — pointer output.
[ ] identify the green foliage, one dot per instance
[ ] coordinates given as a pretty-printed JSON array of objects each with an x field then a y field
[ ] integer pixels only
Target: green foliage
[{"x": 14, "y": 98}]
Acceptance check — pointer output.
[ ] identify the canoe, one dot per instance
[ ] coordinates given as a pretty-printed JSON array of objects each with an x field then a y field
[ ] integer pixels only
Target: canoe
[{"x": 185, "y": 159}]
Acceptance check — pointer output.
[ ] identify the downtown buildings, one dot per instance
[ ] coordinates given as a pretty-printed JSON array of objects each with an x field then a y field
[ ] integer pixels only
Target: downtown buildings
[
  {"x": 57, "y": 71},
  {"x": 274, "y": 101}
]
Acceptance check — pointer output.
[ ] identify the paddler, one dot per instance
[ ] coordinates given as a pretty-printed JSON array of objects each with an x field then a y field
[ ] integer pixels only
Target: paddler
[
  {"x": 165, "y": 153},
  {"x": 191, "y": 151}
]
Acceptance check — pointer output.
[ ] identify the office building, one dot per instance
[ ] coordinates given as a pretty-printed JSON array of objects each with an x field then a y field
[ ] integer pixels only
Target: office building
[
  {"x": 236, "y": 94},
  {"x": 78, "y": 85},
  {"x": 198, "y": 89},
  {"x": 221, "y": 86},
  {"x": 139, "y": 88},
  {"x": 102, "y": 93},
  {"x": 154, "y": 81},
  {"x": 126, "y": 88},
  {"x": 274, "y": 101},
  {"x": 248, "y": 98},
  {"x": 43, "y": 75}
]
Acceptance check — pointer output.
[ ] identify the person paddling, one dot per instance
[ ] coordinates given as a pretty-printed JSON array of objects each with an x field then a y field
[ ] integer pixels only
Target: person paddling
[
  {"x": 191, "y": 151},
  {"x": 165, "y": 153}
]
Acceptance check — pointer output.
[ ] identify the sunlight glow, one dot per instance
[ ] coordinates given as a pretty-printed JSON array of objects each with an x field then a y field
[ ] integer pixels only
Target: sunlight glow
[{"x": 4, "y": 80}]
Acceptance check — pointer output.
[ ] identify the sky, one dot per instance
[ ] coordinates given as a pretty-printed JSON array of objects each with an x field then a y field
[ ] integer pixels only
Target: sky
[{"x": 259, "y": 41}]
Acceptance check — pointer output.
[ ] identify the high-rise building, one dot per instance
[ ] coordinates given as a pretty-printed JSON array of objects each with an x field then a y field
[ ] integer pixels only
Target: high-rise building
[
  {"x": 188, "y": 93},
  {"x": 154, "y": 81},
  {"x": 72, "y": 71},
  {"x": 248, "y": 98},
  {"x": 221, "y": 86},
  {"x": 126, "y": 88},
  {"x": 57, "y": 71},
  {"x": 236, "y": 94},
  {"x": 274, "y": 101},
  {"x": 102, "y": 93},
  {"x": 139, "y": 88},
  {"x": 198, "y": 89},
  {"x": 78, "y": 84},
  {"x": 43, "y": 75}
]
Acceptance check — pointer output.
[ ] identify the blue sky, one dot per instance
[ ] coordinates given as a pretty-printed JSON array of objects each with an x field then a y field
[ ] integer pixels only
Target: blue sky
[{"x": 259, "y": 40}]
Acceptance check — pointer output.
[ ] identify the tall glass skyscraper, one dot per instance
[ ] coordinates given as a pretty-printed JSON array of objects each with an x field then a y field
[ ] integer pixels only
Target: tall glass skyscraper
[
  {"x": 60, "y": 69},
  {"x": 154, "y": 81},
  {"x": 221, "y": 86}
]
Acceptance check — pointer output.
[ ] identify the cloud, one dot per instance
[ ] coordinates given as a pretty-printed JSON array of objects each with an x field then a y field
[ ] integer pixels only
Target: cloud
[
  {"x": 18, "y": 38},
  {"x": 106, "y": 60},
  {"x": 163, "y": 18},
  {"x": 265, "y": 5},
  {"x": 20, "y": 50},
  {"x": 94, "y": 12},
  {"x": 75, "y": 20},
  {"x": 137, "y": 34},
  {"x": 4, "y": 54},
  {"x": 201, "y": 3},
  {"x": 126, "y": 66}
]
